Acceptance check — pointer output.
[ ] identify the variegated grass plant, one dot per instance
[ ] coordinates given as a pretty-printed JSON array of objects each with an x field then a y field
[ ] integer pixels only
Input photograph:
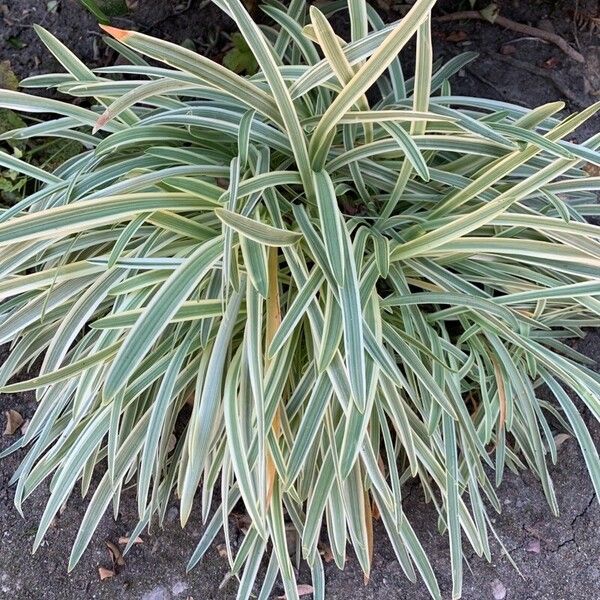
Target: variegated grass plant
[{"x": 296, "y": 293}]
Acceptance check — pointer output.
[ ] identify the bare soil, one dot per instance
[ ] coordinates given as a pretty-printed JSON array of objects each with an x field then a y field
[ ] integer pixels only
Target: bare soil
[{"x": 557, "y": 558}]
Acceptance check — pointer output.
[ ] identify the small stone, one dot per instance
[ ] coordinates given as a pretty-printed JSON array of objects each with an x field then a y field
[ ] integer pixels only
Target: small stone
[
  {"x": 533, "y": 546},
  {"x": 498, "y": 590},
  {"x": 179, "y": 587},
  {"x": 158, "y": 593}
]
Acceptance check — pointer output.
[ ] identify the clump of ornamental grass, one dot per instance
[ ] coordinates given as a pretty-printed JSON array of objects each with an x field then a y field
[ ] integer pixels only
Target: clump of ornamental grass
[{"x": 297, "y": 292}]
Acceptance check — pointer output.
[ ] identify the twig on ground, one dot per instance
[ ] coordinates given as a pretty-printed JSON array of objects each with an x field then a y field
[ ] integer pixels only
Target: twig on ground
[
  {"x": 518, "y": 27},
  {"x": 574, "y": 24},
  {"x": 525, "y": 66}
]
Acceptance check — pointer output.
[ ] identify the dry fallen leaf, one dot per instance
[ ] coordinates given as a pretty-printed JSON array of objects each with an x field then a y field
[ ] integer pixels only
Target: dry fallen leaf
[
  {"x": 303, "y": 590},
  {"x": 105, "y": 573},
  {"x": 116, "y": 555},
  {"x": 560, "y": 439},
  {"x": 498, "y": 590},
  {"x": 592, "y": 170},
  {"x": 551, "y": 63},
  {"x": 536, "y": 533},
  {"x": 25, "y": 427},
  {"x": 123, "y": 541},
  {"x": 534, "y": 546},
  {"x": 456, "y": 36},
  {"x": 508, "y": 50},
  {"x": 14, "y": 420},
  {"x": 242, "y": 522},
  {"x": 325, "y": 552}
]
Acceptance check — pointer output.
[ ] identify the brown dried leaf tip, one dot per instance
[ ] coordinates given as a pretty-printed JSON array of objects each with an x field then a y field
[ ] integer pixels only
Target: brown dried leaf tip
[{"x": 119, "y": 34}]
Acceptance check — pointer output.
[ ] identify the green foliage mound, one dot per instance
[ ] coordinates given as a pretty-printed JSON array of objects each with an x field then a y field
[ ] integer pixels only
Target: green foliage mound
[{"x": 302, "y": 289}]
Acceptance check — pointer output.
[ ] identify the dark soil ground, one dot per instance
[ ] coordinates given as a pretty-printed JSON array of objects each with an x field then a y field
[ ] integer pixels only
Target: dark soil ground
[{"x": 558, "y": 558}]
